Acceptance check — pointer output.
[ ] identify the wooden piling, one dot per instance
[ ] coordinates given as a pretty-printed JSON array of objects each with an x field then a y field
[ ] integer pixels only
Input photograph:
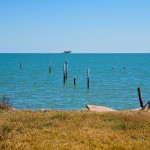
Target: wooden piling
[
  {"x": 64, "y": 74},
  {"x": 66, "y": 69},
  {"x": 140, "y": 97},
  {"x": 20, "y": 65},
  {"x": 88, "y": 78},
  {"x": 50, "y": 68},
  {"x": 74, "y": 80}
]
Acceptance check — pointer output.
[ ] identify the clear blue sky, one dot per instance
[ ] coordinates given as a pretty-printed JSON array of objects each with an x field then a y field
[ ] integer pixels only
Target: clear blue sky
[{"x": 98, "y": 26}]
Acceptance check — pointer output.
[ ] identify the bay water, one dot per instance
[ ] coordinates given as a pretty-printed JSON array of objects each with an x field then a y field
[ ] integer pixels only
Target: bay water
[{"x": 114, "y": 79}]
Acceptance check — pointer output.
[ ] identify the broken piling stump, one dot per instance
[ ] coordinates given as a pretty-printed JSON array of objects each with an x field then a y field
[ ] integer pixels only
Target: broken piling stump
[{"x": 146, "y": 106}]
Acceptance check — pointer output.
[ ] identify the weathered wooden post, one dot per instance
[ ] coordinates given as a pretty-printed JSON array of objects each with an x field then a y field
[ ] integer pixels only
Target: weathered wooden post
[
  {"x": 74, "y": 80},
  {"x": 140, "y": 97},
  {"x": 66, "y": 69},
  {"x": 20, "y": 65},
  {"x": 88, "y": 78},
  {"x": 64, "y": 74},
  {"x": 50, "y": 68}
]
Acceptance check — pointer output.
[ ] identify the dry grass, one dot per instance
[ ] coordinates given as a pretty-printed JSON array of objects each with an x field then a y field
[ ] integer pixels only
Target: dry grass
[
  {"x": 5, "y": 103},
  {"x": 74, "y": 130}
]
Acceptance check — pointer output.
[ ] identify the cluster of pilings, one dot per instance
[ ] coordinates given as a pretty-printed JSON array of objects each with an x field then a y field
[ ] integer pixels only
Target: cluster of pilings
[
  {"x": 65, "y": 77},
  {"x": 65, "y": 73}
]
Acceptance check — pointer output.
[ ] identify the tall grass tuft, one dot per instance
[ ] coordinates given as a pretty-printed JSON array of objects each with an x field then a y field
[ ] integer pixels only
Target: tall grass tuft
[{"x": 5, "y": 102}]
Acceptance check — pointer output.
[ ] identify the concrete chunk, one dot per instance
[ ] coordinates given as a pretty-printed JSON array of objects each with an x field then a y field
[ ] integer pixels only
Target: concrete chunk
[
  {"x": 45, "y": 109},
  {"x": 99, "y": 108}
]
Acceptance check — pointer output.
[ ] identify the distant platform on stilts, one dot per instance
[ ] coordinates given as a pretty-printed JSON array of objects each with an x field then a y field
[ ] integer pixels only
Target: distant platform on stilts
[{"x": 67, "y": 52}]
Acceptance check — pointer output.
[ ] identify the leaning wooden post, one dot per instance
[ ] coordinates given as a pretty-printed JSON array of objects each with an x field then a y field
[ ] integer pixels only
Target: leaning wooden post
[
  {"x": 64, "y": 74},
  {"x": 140, "y": 97},
  {"x": 88, "y": 78},
  {"x": 74, "y": 80},
  {"x": 66, "y": 69}
]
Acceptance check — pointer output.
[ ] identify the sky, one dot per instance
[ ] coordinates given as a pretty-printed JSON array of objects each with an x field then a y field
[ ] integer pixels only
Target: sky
[{"x": 82, "y": 26}]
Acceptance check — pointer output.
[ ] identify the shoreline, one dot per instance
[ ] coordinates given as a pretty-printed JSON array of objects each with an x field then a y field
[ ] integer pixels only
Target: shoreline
[{"x": 93, "y": 108}]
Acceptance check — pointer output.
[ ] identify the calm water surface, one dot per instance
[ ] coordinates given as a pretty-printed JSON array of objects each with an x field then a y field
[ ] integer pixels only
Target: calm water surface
[{"x": 114, "y": 79}]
